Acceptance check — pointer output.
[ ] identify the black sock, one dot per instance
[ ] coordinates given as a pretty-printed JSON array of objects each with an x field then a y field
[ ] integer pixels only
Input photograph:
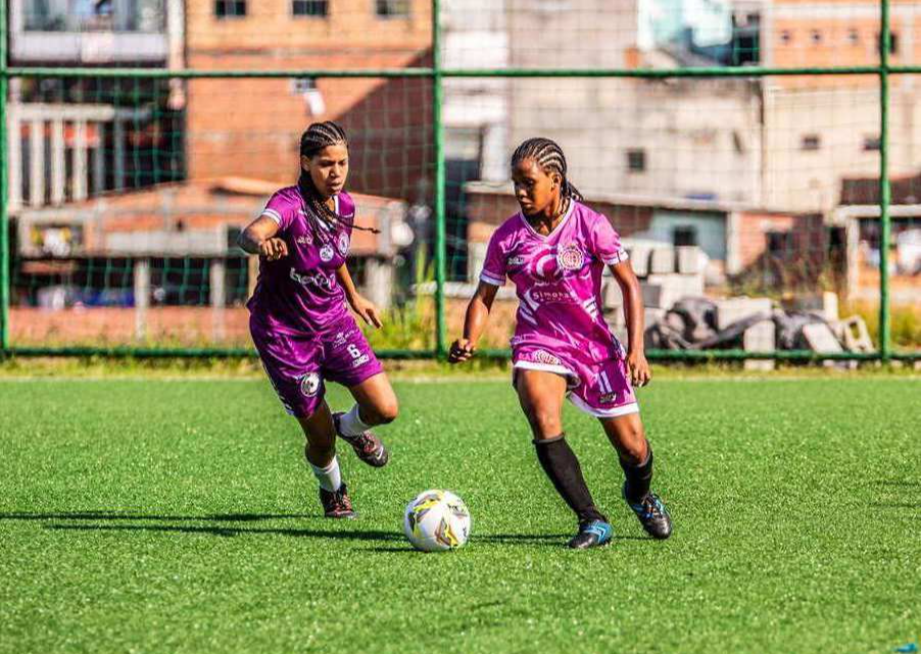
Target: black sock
[
  {"x": 638, "y": 477},
  {"x": 562, "y": 466}
]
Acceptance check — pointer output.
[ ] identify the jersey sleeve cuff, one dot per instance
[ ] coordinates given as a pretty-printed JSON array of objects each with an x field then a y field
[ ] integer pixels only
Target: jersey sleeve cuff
[
  {"x": 617, "y": 258},
  {"x": 489, "y": 278},
  {"x": 271, "y": 213}
]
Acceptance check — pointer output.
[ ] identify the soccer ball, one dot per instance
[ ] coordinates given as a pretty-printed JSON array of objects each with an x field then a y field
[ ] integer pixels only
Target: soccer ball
[{"x": 437, "y": 520}]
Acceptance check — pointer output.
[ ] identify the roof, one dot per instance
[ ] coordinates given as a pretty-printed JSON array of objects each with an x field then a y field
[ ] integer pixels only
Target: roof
[
  {"x": 174, "y": 213},
  {"x": 638, "y": 200}
]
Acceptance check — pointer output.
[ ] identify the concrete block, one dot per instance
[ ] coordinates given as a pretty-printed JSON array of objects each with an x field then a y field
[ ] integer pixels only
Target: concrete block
[
  {"x": 651, "y": 316},
  {"x": 654, "y": 295},
  {"x": 737, "y": 308},
  {"x": 825, "y": 305},
  {"x": 639, "y": 259},
  {"x": 476, "y": 257},
  {"x": 611, "y": 296},
  {"x": 759, "y": 338},
  {"x": 690, "y": 261},
  {"x": 820, "y": 338},
  {"x": 855, "y": 335},
  {"x": 665, "y": 290},
  {"x": 662, "y": 260}
]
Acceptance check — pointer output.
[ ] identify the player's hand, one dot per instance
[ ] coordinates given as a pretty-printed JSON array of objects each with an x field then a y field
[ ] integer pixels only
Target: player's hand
[
  {"x": 640, "y": 375},
  {"x": 461, "y": 350},
  {"x": 273, "y": 249},
  {"x": 367, "y": 311}
]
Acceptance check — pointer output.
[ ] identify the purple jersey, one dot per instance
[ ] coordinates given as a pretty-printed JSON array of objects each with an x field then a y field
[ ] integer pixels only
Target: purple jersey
[
  {"x": 299, "y": 293},
  {"x": 558, "y": 281}
]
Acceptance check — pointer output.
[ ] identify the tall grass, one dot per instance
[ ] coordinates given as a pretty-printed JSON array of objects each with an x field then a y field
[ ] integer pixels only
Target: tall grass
[{"x": 905, "y": 320}]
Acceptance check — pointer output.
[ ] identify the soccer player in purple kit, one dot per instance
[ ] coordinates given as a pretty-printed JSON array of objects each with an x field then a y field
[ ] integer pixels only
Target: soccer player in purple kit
[
  {"x": 299, "y": 321},
  {"x": 555, "y": 251}
]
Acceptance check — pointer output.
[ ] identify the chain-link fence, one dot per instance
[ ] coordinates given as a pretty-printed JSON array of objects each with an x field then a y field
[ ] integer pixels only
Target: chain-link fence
[{"x": 743, "y": 149}]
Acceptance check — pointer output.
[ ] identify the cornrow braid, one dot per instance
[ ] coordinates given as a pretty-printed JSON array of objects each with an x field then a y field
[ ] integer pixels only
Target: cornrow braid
[
  {"x": 549, "y": 156},
  {"x": 313, "y": 140}
]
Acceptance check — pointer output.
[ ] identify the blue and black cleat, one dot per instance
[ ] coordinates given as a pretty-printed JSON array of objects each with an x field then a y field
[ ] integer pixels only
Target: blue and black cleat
[
  {"x": 652, "y": 514},
  {"x": 592, "y": 534}
]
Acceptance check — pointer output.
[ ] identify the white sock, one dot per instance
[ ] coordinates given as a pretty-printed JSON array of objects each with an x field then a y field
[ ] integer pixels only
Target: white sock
[
  {"x": 350, "y": 424},
  {"x": 329, "y": 477}
]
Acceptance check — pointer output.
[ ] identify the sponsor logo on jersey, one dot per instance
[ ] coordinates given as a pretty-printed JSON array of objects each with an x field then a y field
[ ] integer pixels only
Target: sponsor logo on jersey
[
  {"x": 319, "y": 279},
  {"x": 326, "y": 253},
  {"x": 306, "y": 239},
  {"x": 343, "y": 244},
  {"x": 364, "y": 358},
  {"x": 516, "y": 261},
  {"x": 546, "y": 296},
  {"x": 608, "y": 398},
  {"x": 310, "y": 384},
  {"x": 570, "y": 257},
  {"x": 542, "y": 356}
]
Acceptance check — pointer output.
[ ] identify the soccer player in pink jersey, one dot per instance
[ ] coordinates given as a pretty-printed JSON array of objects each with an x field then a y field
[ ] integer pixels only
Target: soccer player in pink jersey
[
  {"x": 554, "y": 251},
  {"x": 299, "y": 320}
]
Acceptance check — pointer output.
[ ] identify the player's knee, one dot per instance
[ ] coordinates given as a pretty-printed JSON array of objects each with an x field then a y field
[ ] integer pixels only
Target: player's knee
[
  {"x": 545, "y": 423},
  {"x": 634, "y": 447},
  {"x": 385, "y": 412}
]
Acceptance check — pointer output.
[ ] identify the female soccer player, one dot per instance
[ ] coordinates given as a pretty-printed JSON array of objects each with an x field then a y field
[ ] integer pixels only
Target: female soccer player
[
  {"x": 300, "y": 325},
  {"x": 554, "y": 251}
]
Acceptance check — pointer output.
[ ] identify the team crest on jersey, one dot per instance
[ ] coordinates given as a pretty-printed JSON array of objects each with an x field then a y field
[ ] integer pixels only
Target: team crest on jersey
[
  {"x": 570, "y": 257},
  {"x": 343, "y": 244},
  {"x": 310, "y": 384},
  {"x": 326, "y": 253}
]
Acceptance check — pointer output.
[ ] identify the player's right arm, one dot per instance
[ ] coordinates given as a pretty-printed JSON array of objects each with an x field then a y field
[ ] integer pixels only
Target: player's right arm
[
  {"x": 259, "y": 238},
  {"x": 477, "y": 316},
  {"x": 492, "y": 277}
]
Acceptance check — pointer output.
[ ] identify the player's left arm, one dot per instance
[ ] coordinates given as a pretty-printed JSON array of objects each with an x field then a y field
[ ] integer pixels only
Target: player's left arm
[
  {"x": 640, "y": 374},
  {"x": 360, "y": 305}
]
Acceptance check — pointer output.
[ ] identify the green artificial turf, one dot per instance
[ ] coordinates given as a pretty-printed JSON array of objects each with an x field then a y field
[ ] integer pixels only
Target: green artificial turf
[{"x": 165, "y": 516}]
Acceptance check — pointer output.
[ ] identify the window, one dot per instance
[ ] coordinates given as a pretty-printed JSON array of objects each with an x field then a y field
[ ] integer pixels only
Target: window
[
  {"x": 871, "y": 143},
  {"x": 306, "y": 87},
  {"x": 684, "y": 235},
  {"x": 811, "y": 142},
  {"x": 779, "y": 243},
  {"x": 391, "y": 8},
  {"x": 302, "y": 85},
  {"x": 230, "y": 8},
  {"x": 318, "y": 8},
  {"x": 815, "y": 36},
  {"x": 786, "y": 37},
  {"x": 853, "y": 37},
  {"x": 636, "y": 161},
  {"x": 737, "y": 143},
  {"x": 893, "y": 43}
]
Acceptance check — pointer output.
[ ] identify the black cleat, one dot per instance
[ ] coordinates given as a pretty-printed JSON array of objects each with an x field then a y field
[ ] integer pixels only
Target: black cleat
[
  {"x": 652, "y": 514},
  {"x": 336, "y": 504},
  {"x": 592, "y": 534},
  {"x": 367, "y": 446}
]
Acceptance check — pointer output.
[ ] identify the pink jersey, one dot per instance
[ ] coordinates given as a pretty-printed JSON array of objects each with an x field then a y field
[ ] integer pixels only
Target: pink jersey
[
  {"x": 300, "y": 293},
  {"x": 558, "y": 281}
]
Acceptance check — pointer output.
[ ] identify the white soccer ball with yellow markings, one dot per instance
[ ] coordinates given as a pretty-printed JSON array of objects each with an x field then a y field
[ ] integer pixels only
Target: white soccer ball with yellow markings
[{"x": 437, "y": 520}]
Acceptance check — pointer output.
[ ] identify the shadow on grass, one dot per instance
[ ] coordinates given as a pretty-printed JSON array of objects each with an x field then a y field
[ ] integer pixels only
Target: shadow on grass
[
  {"x": 351, "y": 532},
  {"x": 124, "y": 515},
  {"x": 217, "y": 530}
]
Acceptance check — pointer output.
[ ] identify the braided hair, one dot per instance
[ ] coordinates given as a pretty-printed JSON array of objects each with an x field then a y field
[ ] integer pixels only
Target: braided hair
[
  {"x": 550, "y": 158},
  {"x": 317, "y": 137}
]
